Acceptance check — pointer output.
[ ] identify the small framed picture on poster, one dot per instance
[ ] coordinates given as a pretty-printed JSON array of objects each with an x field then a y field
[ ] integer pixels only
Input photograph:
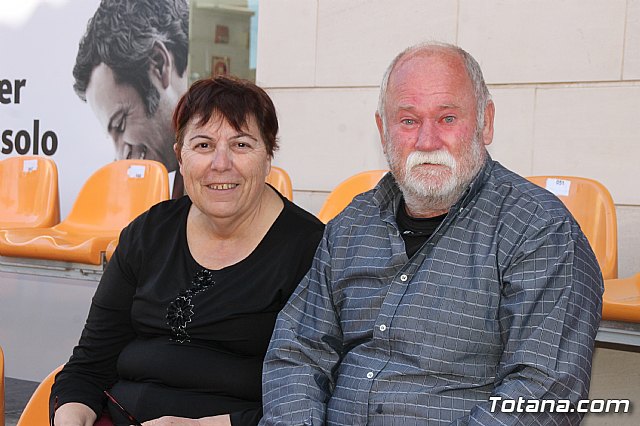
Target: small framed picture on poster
[
  {"x": 222, "y": 34},
  {"x": 220, "y": 65}
]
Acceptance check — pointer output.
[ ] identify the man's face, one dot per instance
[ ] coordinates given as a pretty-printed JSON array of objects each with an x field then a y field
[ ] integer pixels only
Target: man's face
[
  {"x": 431, "y": 139},
  {"x": 122, "y": 113}
]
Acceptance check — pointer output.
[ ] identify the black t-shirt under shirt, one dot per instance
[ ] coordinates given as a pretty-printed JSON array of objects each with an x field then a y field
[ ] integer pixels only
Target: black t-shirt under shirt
[{"x": 415, "y": 231}]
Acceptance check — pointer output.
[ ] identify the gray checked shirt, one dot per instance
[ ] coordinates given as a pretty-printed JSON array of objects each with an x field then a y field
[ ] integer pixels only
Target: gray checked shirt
[{"x": 503, "y": 300}]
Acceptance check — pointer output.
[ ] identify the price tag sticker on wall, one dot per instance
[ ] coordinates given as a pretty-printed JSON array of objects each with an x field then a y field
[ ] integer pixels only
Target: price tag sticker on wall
[
  {"x": 558, "y": 187},
  {"x": 136, "y": 171},
  {"x": 29, "y": 165}
]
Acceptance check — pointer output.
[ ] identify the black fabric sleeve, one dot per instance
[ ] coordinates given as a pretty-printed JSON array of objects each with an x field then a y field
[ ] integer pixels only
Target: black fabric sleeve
[{"x": 92, "y": 366}]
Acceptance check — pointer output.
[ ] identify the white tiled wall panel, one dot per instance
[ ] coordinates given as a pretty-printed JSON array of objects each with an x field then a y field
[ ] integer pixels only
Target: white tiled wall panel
[
  {"x": 544, "y": 40},
  {"x": 592, "y": 132},
  {"x": 358, "y": 38},
  {"x": 632, "y": 42},
  {"x": 564, "y": 76},
  {"x": 628, "y": 240},
  {"x": 311, "y": 201},
  {"x": 513, "y": 128},
  {"x": 326, "y": 135},
  {"x": 286, "y": 43}
]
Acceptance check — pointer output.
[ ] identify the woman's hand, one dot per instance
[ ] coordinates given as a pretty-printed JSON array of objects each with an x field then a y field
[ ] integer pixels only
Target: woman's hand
[
  {"x": 74, "y": 414},
  {"x": 222, "y": 420}
]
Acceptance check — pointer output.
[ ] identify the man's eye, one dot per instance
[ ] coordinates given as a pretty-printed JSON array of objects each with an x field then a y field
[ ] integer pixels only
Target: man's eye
[
  {"x": 121, "y": 125},
  {"x": 408, "y": 121},
  {"x": 449, "y": 119}
]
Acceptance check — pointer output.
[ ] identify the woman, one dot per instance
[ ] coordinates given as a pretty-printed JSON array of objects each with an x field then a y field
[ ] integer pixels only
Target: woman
[{"x": 183, "y": 314}]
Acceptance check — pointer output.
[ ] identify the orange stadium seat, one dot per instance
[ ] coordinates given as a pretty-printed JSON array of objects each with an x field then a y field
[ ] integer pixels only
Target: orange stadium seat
[
  {"x": 281, "y": 181},
  {"x": 29, "y": 196},
  {"x": 36, "y": 412},
  {"x": 111, "y": 197},
  {"x": 342, "y": 195},
  {"x": 111, "y": 248},
  {"x": 621, "y": 299},
  {"x": 591, "y": 204}
]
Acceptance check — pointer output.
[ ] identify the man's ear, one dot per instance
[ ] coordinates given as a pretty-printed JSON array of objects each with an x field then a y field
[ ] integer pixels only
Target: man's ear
[
  {"x": 381, "y": 131},
  {"x": 487, "y": 130},
  {"x": 160, "y": 64}
]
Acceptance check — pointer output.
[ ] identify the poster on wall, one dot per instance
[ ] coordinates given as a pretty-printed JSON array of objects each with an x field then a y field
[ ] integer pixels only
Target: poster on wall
[{"x": 85, "y": 89}]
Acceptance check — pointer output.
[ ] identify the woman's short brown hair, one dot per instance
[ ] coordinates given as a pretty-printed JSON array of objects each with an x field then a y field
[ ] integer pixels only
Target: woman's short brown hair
[{"x": 234, "y": 99}]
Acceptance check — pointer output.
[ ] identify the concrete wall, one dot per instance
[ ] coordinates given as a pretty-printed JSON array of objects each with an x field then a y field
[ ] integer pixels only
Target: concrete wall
[{"x": 565, "y": 77}]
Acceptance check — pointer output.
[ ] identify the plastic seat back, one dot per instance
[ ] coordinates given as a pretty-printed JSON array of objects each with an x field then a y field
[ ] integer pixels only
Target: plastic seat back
[
  {"x": 592, "y": 206},
  {"x": 342, "y": 195},
  {"x": 621, "y": 299},
  {"x": 110, "y": 249},
  {"x": 281, "y": 181},
  {"x": 36, "y": 412},
  {"x": 29, "y": 196},
  {"x": 115, "y": 194}
]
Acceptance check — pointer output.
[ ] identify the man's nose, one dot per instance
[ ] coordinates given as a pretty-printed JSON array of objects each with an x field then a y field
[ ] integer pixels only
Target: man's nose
[
  {"x": 428, "y": 138},
  {"x": 127, "y": 151}
]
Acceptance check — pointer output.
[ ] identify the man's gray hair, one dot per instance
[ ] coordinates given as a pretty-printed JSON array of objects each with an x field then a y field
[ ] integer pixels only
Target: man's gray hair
[{"x": 474, "y": 72}]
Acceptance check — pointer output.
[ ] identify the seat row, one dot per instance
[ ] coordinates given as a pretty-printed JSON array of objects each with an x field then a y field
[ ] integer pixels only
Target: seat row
[
  {"x": 119, "y": 191},
  {"x": 114, "y": 195}
]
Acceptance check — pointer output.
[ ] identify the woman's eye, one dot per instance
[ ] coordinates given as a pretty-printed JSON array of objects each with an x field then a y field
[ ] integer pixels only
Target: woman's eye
[
  {"x": 243, "y": 145},
  {"x": 203, "y": 145}
]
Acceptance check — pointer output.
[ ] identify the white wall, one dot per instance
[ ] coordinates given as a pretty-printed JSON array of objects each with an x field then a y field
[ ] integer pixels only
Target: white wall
[{"x": 565, "y": 77}]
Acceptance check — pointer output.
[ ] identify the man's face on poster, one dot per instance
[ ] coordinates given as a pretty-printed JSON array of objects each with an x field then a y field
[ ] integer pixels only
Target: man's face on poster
[{"x": 122, "y": 113}]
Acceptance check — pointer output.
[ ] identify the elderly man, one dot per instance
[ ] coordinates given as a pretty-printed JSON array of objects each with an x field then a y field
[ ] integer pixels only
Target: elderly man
[
  {"x": 131, "y": 70},
  {"x": 455, "y": 292}
]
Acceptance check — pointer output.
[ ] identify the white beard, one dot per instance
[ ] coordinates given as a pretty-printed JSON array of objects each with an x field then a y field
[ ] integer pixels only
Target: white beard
[{"x": 429, "y": 189}]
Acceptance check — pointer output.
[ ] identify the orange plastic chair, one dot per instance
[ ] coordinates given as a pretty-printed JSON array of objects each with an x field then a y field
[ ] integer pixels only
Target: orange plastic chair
[
  {"x": 342, "y": 195},
  {"x": 621, "y": 299},
  {"x": 111, "y": 198},
  {"x": 110, "y": 249},
  {"x": 281, "y": 181},
  {"x": 1, "y": 387},
  {"x": 591, "y": 204},
  {"x": 36, "y": 412},
  {"x": 29, "y": 196}
]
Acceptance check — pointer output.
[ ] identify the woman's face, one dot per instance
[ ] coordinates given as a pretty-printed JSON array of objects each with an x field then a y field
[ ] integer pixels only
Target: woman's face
[{"x": 224, "y": 169}]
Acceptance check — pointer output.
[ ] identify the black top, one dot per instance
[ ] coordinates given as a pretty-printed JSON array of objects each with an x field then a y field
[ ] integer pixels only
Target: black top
[
  {"x": 170, "y": 337},
  {"x": 415, "y": 231}
]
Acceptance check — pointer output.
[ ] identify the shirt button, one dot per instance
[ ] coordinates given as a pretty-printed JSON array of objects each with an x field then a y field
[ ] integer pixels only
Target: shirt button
[
  {"x": 383, "y": 327},
  {"x": 370, "y": 375},
  {"x": 403, "y": 277}
]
